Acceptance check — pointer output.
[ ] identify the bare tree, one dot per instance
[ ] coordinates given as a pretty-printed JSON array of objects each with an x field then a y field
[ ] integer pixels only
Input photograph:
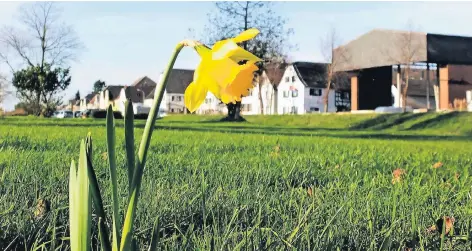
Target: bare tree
[
  {"x": 274, "y": 71},
  {"x": 4, "y": 90},
  {"x": 408, "y": 49},
  {"x": 232, "y": 18},
  {"x": 42, "y": 41},
  {"x": 404, "y": 51},
  {"x": 335, "y": 55}
]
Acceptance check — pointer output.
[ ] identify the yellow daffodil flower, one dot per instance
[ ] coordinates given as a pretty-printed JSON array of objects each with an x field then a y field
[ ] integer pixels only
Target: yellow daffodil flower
[{"x": 220, "y": 73}]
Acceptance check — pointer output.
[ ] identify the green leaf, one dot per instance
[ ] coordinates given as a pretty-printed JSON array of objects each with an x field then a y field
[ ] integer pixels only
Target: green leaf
[
  {"x": 80, "y": 206},
  {"x": 155, "y": 236},
  {"x": 114, "y": 182},
  {"x": 127, "y": 234},
  {"x": 97, "y": 198},
  {"x": 129, "y": 141}
]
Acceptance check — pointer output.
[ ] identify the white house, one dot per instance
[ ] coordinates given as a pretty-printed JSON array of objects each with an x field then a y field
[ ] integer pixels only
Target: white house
[
  {"x": 116, "y": 95},
  {"x": 212, "y": 105},
  {"x": 173, "y": 99},
  {"x": 302, "y": 88},
  {"x": 251, "y": 104}
]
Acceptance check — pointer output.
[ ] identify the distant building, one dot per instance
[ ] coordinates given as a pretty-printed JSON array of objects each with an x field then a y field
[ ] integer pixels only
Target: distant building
[
  {"x": 303, "y": 87},
  {"x": 87, "y": 102},
  {"x": 373, "y": 57},
  {"x": 116, "y": 95},
  {"x": 173, "y": 99}
]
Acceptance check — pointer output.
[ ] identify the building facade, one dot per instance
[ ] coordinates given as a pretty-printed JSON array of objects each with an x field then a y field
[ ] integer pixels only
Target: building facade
[{"x": 303, "y": 87}]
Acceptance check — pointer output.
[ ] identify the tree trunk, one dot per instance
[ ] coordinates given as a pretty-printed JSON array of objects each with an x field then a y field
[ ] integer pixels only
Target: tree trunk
[
  {"x": 234, "y": 112},
  {"x": 38, "y": 104},
  {"x": 261, "y": 103},
  {"x": 405, "y": 90},
  {"x": 326, "y": 98}
]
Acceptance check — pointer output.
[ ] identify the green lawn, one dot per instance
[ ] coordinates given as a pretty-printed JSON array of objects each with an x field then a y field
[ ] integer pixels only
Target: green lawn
[{"x": 244, "y": 186}]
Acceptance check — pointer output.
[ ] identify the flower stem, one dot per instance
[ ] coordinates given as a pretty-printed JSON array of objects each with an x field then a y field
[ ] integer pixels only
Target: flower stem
[{"x": 127, "y": 233}]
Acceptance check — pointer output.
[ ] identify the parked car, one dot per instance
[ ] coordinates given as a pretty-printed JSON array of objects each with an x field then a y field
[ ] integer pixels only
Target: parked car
[
  {"x": 64, "y": 114},
  {"x": 87, "y": 113},
  {"x": 77, "y": 114}
]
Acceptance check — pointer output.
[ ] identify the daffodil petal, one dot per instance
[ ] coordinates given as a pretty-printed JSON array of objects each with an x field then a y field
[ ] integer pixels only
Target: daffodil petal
[
  {"x": 243, "y": 81},
  {"x": 194, "y": 96},
  {"x": 203, "y": 51},
  {"x": 203, "y": 76},
  {"x": 223, "y": 71},
  {"x": 246, "y": 35},
  {"x": 219, "y": 44},
  {"x": 231, "y": 50}
]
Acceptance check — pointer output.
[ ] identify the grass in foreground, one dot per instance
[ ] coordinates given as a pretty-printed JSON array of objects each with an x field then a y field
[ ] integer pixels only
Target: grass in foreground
[{"x": 310, "y": 182}]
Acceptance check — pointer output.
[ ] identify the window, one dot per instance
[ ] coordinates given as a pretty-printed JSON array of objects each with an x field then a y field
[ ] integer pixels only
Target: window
[
  {"x": 172, "y": 99},
  {"x": 285, "y": 94},
  {"x": 315, "y": 92},
  {"x": 172, "y": 110},
  {"x": 287, "y": 79},
  {"x": 246, "y": 107},
  {"x": 295, "y": 93},
  {"x": 293, "y": 78},
  {"x": 179, "y": 98},
  {"x": 294, "y": 110},
  {"x": 314, "y": 109}
]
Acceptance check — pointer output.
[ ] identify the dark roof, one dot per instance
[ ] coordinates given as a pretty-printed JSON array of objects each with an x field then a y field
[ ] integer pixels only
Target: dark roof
[
  {"x": 93, "y": 99},
  {"x": 275, "y": 72},
  {"x": 178, "y": 81},
  {"x": 89, "y": 96},
  {"x": 314, "y": 75},
  {"x": 311, "y": 74},
  {"x": 145, "y": 84},
  {"x": 113, "y": 91},
  {"x": 134, "y": 94},
  {"x": 381, "y": 47}
]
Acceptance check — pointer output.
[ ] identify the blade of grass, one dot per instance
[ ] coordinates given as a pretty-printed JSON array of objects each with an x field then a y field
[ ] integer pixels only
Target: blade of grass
[
  {"x": 113, "y": 178},
  {"x": 155, "y": 236}
]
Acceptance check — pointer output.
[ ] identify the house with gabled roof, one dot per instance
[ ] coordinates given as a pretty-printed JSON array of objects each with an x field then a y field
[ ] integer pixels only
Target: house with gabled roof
[
  {"x": 87, "y": 102},
  {"x": 262, "y": 99},
  {"x": 303, "y": 86},
  {"x": 116, "y": 95},
  {"x": 173, "y": 99}
]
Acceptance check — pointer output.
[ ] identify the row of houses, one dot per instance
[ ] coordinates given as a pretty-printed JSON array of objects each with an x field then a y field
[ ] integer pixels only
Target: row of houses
[
  {"x": 367, "y": 82},
  {"x": 296, "y": 88}
]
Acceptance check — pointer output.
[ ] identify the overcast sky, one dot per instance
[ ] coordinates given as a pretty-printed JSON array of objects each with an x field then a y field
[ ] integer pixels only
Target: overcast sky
[{"x": 127, "y": 40}]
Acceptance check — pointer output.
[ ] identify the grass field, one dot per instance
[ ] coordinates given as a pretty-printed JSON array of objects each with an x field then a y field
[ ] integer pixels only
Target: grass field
[{"x": 314, "y": 182}]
